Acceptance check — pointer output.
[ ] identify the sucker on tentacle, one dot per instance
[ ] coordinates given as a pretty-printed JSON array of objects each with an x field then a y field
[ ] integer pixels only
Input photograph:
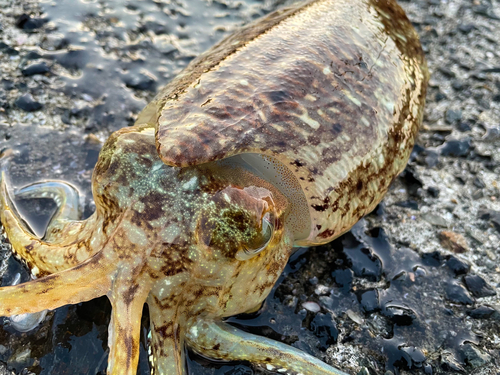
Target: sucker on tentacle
[{"x": 284, "y": 134}]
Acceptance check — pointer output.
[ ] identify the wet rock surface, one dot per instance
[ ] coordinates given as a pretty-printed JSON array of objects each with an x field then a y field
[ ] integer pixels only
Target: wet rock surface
[{"x": 393, "y": 296}]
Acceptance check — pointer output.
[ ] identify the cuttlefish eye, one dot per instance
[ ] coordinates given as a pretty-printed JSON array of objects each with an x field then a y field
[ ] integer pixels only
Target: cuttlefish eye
[{"x": 238, "y": 222}]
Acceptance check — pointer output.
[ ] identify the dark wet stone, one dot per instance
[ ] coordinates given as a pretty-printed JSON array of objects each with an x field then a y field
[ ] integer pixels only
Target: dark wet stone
[
  {"x": 466, "y": 28},
  {"x": 408, "y": 204},
  {"x": 313, "y": 280},
  {"x": 452, "y": 116},
  {"x": 492, "y": 133},
  {"x": 431, "y": 159},
  {"x": 478, "y": 183},
  {"x": 496, "y": 98},
  {"x": 32, "y": 55},
  {"x": 496, "y": 223},
  {"x": 432, "y": 259},
  {"x": 140, "y": 82},
  {"x": 491, "y": 216},
  {"x": 325, "y": 329},
  {"x": 486, "y": 11},
  {"x": 433, "y": 191},
  {"x": 483, "y": 103},
  {"x": 457, "y": 266},
  {"x": 155, "y": 27},
  {"x": 73, "y": 60},
  {"x": 477, "y": 194},
  {"x": 365, "y": 263},
  {"x": 458, "y": 294},
  {"x": 29, "y": 23},
  {"x": 364, "y": 371},
  {"x": 459, "y": 86},
  {"x": 369, "y": 301},
  {"x": 40, "y": 68},
  {"x": 478, "y": 286},
  {"x": 402, "y": 316},
  {"x": 450, "y": 363},
  {"x": 463, "y": 126},
  {"x": 416, "y": 152},
  {"x": 4, "y": 104},
  {"x": 6, "y": 49},
  {"x": 414, "y": 356},
  {"x": 343, "y": 278},
  {"x": 239, "y": 370},
  {"x": 440, "y": 96},
  {"x": 28, "y": 104},
  {"x": 428, "y": 369},
  {"x": 456, "y": 147},
  {"x": 411, "y": 180},
  {"x": 447, "y": 72},
  {"x": 473, "y": 356},
  {"x": 484, "y": 312},
  {"x": 492, "y": 70},
  {"x": 479, "y": 76},
  {"x": 8, "y": 85},
  {"x": 52, "y": 42}
]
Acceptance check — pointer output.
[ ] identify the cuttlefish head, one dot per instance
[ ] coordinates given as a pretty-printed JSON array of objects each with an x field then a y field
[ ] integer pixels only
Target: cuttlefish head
[{"x": 196, "y": 244}]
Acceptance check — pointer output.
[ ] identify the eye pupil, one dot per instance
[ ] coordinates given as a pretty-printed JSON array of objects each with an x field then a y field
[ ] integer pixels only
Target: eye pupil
[{"x": 261, "y": 239}]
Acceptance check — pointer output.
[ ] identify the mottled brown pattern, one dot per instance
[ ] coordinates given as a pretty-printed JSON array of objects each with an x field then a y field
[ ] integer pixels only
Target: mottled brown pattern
[{"x": 325, "y": 100}]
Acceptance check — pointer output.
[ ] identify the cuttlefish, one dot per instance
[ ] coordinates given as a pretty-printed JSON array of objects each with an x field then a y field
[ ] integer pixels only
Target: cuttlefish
[{"x": 284, "y": 134}]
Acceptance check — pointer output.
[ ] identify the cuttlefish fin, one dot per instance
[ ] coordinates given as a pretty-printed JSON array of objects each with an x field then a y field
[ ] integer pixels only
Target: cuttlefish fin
[
  {"x": 167, "y": 340},
  {"x": 42, "y": 257},
  {"x": 84, "y": 282},
  {"x": 220, "y": 340}
]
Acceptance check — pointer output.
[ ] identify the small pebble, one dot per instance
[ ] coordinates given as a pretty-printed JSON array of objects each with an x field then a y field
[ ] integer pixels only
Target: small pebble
[
  {"x": 311, "y": 306},
  {"x": 40, "y": 68},
  {"x": 27, "y": 103},
  {"x": 433, "y": 191},
  {"x": 458, "y": 266},
  {"x": 456, "y": 147},
  {"x": 453, "y": 241},
  {"x": 435, "y": 219},
  {"x": 402, "y": 316},
  {"x": 28, "y": 23},
  {"x": 474, "y": 356},
  {"x": 369, "y": 301},
  {"x": 483, "y": 312},
  {"x": 453, "y": 116},
  {"x": 458, "y": 294},
  {"x": 478, "y": 286}
]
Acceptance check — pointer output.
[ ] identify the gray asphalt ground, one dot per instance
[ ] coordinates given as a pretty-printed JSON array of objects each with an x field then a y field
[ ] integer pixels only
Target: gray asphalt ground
[{"x": 413, "y": 289}]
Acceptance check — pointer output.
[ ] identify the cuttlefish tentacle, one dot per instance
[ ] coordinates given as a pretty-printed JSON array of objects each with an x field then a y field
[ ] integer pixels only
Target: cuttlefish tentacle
[
  {"x": 65, "y": 196},
  {"x": 84, "y": 282},
  {"x": 67, "y": 243},
  {"x": 220, "y": 340}
]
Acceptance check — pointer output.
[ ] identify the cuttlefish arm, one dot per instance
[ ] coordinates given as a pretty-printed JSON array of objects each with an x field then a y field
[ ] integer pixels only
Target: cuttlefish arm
[
  {"x": 66, "y": 242},
  {"x": 102, "y": 273},
  {"x": 84, "y": 282},
  {"x": 167, "y": 334},
  {"x": 217, "y": 339}
]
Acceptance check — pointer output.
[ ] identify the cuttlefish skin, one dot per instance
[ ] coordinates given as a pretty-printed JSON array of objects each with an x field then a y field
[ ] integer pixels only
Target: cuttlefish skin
[{"x": 283, "y": 134}]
